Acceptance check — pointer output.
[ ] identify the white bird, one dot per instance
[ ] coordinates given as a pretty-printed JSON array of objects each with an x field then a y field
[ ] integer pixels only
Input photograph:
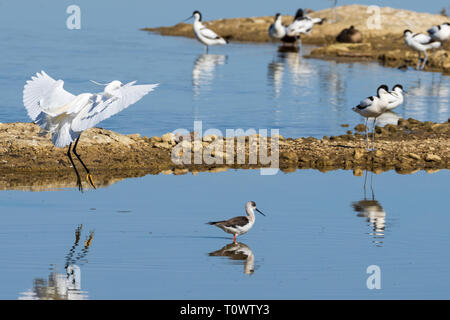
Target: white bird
[
  {"x": 239, "y": 225},
  {"x": 277, "y": 30},
  {"x": 302, "y": 24},
  {"x": 395, "y": 97},
  {"x": 66, "y": 116},
  {"x": 440, "y": 32},
  {"x": 421, "y": 43},
  {"x": 373, "y": 107},
  {"x": 203, "y": 34}
]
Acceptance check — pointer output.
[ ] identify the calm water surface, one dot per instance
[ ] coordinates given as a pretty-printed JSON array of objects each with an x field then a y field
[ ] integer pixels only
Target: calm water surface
[{"x": 146, "y": 238}]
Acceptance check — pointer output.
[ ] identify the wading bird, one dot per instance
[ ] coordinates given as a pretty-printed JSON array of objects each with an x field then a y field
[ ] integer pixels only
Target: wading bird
[
  {"x": 302, "y": 25},
  {"x": 239, "y": 225},
  {"x": 373, "y": 107},
  {"x": 395, "y": 97},
  {"x": 421, "y": 43},
  {"x": 203, "y": 34},
  {"x": 440, "y": 32},
  {"x": 66, "y": 116},
  {"x": 277, "y": 30}
]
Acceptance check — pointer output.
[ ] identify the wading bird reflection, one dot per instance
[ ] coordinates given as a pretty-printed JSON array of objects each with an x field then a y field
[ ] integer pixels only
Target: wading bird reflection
[
  {"x": 373, "y": 212},
  {"x": 63, "y": 286},
  {"x": 66, "y": 116},
  {"x": 238, "y": 251},
  {"x": 204, "y": 69}
]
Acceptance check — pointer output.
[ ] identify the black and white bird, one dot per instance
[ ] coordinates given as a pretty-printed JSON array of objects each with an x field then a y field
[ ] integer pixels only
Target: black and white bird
[
  {"x": 203, "y": 34},
  {"x": 421, "y": 43},
  {"x": 302, "y": 25},
  {"x": 239, "y": 225},
  {"x": 440, "y": 32},
  {"x": 277, "y": 30},
  {"x": 66, "y": 116},
  {"x": 395, "y": 97},
  {"x": 373, "y": 107}
]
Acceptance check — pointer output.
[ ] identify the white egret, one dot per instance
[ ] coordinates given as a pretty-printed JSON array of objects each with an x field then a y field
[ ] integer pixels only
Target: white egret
[{"x": 66, "y": 116}]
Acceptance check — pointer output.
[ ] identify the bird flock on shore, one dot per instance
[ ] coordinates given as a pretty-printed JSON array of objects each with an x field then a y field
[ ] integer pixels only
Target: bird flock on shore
[{"x": 65, "y": 116}]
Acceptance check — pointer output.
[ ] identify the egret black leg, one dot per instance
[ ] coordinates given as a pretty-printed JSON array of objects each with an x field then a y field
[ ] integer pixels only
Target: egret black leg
[
  {"x": 80, "y": 186},
  {"x": 88, "y": 176}
]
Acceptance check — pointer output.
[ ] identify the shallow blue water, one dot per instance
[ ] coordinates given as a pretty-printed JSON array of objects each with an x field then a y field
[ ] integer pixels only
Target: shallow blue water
[
  {"x": 237, "y": 86},
  {"x": 151, "y": 241},
  {"x": 149, "y": 238}
]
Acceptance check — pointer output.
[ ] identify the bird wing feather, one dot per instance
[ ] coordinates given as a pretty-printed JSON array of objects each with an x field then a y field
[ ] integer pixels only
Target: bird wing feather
[
  {"x": 44, "y": 94},
  {"x": 104, "y": 106},
  {"x": 422, "y": 38},
  {"x": 208, "y": 33}
]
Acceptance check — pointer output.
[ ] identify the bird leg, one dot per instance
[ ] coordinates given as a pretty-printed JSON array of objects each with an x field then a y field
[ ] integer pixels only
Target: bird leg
[
  {"x": 80, "y": 186},
  {"x": 88, "y": 174},
  {"x": 424, "y": 61},
  {"x": 234, "y": 238},
  {"x": 373, "y": 134},
  {"x": 367, "y": 134},
  {"x": 418, "y": 62}
]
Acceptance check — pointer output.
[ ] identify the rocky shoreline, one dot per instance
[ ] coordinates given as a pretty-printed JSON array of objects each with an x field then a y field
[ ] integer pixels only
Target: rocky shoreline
[
  {"x": 384, "y": 44},
  {"x": 29, "y": 161}
]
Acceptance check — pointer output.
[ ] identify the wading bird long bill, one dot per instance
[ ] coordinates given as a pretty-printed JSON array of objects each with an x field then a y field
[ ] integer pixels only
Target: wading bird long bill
[
  {"x": 203, "y": 34},
  {"x": 373, "y": 107},
  {"x": 239, "y": 225},
  {"x": 65, "y": 116}
]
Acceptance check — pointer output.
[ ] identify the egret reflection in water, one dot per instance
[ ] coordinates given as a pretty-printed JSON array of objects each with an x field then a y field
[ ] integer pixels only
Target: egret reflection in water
[
  {"x": 204, "y": 70},
  {"x": 373, "y": 212},
  {"x": 240, "y": 252},
  {"x": 65, "y": 286}
]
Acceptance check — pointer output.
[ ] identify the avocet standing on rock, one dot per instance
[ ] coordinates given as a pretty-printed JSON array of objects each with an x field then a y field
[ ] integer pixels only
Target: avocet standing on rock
[
  {"x": 421, "y": 43},
  {"x": 239, "y": 225},
  {"x": 203, "y": 34},
  {"x": 66, "y": 116},
  {"x": 373, "y": 107},
  {"x": 440, "y": 32},
  {"x": 395, "y": 97}
]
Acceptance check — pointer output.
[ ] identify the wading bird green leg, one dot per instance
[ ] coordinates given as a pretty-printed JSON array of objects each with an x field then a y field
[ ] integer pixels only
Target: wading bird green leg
[
  {"x": 80, "y": 186},
  {"x": 88, "y": 176}
]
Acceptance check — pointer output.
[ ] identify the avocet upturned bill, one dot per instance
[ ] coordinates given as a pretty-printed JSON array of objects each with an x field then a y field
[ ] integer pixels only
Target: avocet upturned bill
[
  {"x": 66, "y": 116},
  {"x": 440, "y": 32},
  {"x": 395, "y": 97},
  {"x": 373, "y": 107},
  {"x": 203, "y": 34},
  {"x": 421, "y": 43},
  {"x": 239, "y": 225}
]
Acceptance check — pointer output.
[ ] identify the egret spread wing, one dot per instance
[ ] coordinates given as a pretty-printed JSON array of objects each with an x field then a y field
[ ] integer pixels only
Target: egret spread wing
[
  {"x": 104, "y": 106},
  {"x": 44, "y": 93},
  {"x": 208, "y": 33}
]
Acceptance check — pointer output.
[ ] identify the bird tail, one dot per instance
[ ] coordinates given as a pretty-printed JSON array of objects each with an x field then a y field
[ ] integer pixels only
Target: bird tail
[
  {"x": 435, "y": 44},
  {"x": 227, "y": 39}
]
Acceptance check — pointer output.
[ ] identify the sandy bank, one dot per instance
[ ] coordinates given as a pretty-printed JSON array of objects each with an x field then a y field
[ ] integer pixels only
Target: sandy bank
[
  {"x": 385, "y": 44},
  {"x": 29, "y": 161}
]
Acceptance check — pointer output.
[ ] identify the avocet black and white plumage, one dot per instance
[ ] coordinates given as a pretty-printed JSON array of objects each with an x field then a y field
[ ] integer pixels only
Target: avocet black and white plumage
[
  {"x": 277, "y": 30},
  {"x": 421, "y": 43},
  {"x": 239, "y": 225},
  {"x": 302, "y": 24},
  {"x": 373, "y": 107},
  {"x": 395, "y": 97},
  {"x": 203, "y": 34},
  {"x": 66, "y": 116},
  {"x": 440, "y": 32}
]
